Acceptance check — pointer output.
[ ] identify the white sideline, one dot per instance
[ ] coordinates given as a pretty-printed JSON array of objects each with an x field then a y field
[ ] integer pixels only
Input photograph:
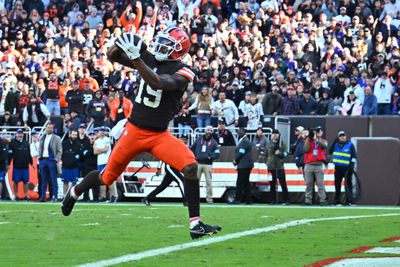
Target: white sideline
[{"x": 217, "y": 239}]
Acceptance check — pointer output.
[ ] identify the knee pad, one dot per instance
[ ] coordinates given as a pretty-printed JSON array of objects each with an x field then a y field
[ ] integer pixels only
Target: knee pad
[{"x": 190, "y": 172}]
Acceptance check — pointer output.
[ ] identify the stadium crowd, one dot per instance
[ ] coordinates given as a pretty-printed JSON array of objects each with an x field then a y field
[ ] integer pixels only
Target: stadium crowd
[{"x": 322, "y": 57}]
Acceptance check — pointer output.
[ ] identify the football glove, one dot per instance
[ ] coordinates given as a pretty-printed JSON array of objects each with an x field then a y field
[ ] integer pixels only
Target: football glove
[{"x": 127, "y": 43}]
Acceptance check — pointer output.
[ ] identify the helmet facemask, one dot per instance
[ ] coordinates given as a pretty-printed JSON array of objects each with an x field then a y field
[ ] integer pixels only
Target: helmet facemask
[{"x": 164, "y": 46}]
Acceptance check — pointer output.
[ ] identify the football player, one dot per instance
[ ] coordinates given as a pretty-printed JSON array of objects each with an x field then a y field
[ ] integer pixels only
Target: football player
[{"x": 164, "y": 80}]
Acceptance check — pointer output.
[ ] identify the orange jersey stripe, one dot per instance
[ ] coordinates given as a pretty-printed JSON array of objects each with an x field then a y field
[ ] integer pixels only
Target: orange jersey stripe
[{"x": 187, "y": 73}]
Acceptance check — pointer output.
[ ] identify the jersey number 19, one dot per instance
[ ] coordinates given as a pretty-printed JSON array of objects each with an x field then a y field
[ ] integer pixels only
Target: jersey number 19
[{"x": 154, "y": 94}]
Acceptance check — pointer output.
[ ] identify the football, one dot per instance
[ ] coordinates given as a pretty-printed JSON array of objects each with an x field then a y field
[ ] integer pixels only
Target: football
[{"x": 116, "y": 54}]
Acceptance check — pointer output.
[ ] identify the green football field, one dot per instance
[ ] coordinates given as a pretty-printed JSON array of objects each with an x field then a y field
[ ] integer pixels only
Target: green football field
[{"x": 134, "y": 235}]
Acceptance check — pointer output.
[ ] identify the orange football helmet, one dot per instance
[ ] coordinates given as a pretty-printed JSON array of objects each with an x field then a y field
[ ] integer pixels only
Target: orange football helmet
[{"x": 171, "y": 44}]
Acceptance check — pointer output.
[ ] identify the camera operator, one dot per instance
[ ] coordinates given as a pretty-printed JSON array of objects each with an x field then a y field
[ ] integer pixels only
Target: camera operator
[
  {"x": 314, "y": 158},
  {"x": 276, "y": 153}
]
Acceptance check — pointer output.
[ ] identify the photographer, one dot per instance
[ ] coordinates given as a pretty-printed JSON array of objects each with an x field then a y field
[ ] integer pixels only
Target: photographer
[
  {"x": 344, "y": 158},
  {"x": 314, "y": 158},
  {"x": 276, "y": 153}
]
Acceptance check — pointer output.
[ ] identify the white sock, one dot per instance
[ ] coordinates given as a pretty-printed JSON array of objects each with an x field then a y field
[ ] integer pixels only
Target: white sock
[
  {"x": 73, "y": 193},
  {"x": 194, "y": 221}
]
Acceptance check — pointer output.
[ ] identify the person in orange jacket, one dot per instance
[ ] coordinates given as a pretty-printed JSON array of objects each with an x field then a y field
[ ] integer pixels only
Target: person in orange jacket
[
  {"x": 129, "y": 19},
  {"x": 120, "y": 107}
]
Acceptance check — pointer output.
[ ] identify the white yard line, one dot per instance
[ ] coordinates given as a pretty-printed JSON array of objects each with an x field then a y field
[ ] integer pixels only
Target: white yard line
[
  {"x": 218, "y": 239},
  {"x": 4, "y": 222}
]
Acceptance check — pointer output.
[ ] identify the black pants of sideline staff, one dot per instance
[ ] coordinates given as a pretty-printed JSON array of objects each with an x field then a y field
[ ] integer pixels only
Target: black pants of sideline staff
[
  {"x": 171, "y": 175},
  {"x": 340, "y": 173},
  {"x": 243, "y": 190},
  {"x": 278, "y": 174}
]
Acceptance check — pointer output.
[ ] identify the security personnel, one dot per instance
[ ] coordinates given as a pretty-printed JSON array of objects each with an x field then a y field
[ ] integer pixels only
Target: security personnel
[
  {"x": 344, "y": 157},
  {"x": 276, "y": 153},
  {"x": 71, "y": 155},
  {"x": 244, "y": 164},
  {"x": 20, "y": 154}
]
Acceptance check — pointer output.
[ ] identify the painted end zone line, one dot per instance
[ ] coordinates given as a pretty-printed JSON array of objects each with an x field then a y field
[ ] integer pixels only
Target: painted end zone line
[{"x": 217, "y": 239}]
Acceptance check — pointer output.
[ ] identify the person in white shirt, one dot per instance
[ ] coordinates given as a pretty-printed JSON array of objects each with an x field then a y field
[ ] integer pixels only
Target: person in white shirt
[
  {"x": 254, "y": 112},
  {"x": 356, "y": 88},
  {"x": 34, "y": 147},
  {"x": 383, "y": 91},
  {"x": 35, "y": 113},
  {"x": 102, "y": 148},
  {"x": 342, "y": 17},
  {"x": 227, "y": 109},
  {"x": 185, "y": 7}
]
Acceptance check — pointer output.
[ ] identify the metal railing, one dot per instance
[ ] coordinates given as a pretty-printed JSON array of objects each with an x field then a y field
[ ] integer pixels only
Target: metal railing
[
  {"x": 8, "y": 132},
  {"x": 200, "y": 131},
  {"x": 41, "y": 129}
]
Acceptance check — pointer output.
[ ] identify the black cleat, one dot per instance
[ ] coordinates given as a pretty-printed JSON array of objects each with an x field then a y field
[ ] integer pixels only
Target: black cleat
[
  {"x": 146, "y": 201},
  {"x": 202, "y": 229},
  {"x": 68, "y": 203}
]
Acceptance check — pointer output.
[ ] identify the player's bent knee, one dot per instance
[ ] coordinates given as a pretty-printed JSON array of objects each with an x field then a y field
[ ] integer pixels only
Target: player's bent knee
[{"x": 190, "y": 172}]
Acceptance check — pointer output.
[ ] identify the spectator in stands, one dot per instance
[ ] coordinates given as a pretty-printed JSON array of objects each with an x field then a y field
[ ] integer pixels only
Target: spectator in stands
[
  {"x": 396, "y": 107},
  {"x": 351, "y": 106},
  {"x": 326, "y": 105},
  {"x": 370, "y": 105},
  {"x": 185, "y": 7},
  {"x": 120, "y": 107},
  {"x": 314, "y": 159},
  {"x": 308, "y": 105},
  {"x": 98, "y": 109},
  {"x": 254, "y": 113},
  {"x": 87, "y": 94},
  {"x": 227, "y": 109},
  {"x": 50, "y": 152},
  {"x": 383, "y": 91},
  {"x": 74, "y": 98},
  {"x": 6, "y": 120},
  {"x": 204, "y": 104},
  {"x": 183, "y": 117},
  {"x": 206, "y": 150},
  {"x": 276, "y": 152},
  {"x": 291, "y": 103},
  {"x": 244, "y": 102},
  {"x": 8, "y": 98},
  {"x": 35, "y": 113},
  {"x": 244, "y": 164},
  {"x": 53, "y": 95},
  {"x": 3, "y": 165},
  {"x": 71, "y": 155},
  {"x": 272, "y": 102},
  {"x": 20, "y": 155},
  {"x": 63, "y": 89},
  {"x": 75, "y": 120},
  {"x": 223, "y": 136}
]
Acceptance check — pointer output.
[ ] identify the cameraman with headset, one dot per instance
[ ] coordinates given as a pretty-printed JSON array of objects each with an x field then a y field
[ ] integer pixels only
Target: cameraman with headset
[
  {"x": 314, "y": 159},
  {"x": 276, "y": 152}
]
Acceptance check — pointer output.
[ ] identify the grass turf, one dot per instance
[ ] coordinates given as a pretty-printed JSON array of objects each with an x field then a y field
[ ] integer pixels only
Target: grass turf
[{"x": 38, "y": 235}]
